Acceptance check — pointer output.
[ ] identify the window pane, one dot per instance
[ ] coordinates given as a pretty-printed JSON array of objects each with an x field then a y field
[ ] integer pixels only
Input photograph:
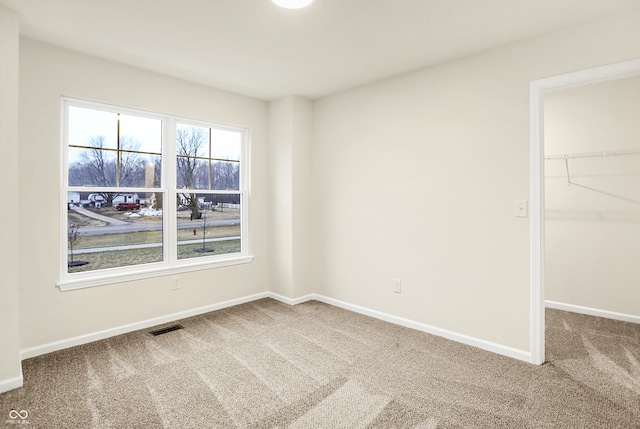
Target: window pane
[
  {"x": 192, "y": 141},
  {"x": 225, "y": 144},
  {"x": 100, "y": 236},
  {"x": 139, "y": 171},
  {"x": 94, "y": 128},
  {"x": 92, "y": 167},
  {"x": 225, "y": 175},
  {"x": 152, "y": 171},
  {"x": 141, "y": 134},
  {"x": 208, "y": 224},
  {"x": 192, "y": 150},
  {"x": 192, "y": 173}
]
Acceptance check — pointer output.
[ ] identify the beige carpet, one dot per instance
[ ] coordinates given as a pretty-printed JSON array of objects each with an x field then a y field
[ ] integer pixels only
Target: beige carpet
[{"x": 270, "y": 365}]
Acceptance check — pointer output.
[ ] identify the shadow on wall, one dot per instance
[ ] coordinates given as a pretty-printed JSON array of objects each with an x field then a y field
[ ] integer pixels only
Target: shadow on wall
[
  {"x": 596, "y": 189},
  {"x": 599, "y": 215}
]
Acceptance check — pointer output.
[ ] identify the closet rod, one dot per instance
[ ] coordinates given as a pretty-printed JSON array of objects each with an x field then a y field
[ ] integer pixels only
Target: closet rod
[{"x": 594, "y": 154}]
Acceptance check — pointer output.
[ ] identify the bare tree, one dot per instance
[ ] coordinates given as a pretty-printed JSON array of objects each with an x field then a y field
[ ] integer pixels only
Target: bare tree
[
  {"x": 72, "y": 237},
  {"x": 189, "y": 144},
  {"x": 204, "y": 249}
]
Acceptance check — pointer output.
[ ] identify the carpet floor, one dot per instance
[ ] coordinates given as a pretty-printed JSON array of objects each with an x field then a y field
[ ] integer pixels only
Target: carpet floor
[{"x": 269, "y": 365}]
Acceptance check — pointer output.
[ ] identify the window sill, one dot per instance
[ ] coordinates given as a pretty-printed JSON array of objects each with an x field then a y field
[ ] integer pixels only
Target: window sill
[{"x": 105, "y": 279}]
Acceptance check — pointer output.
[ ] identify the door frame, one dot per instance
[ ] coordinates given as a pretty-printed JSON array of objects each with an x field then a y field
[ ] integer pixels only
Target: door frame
[{"x": 537, "y": 243}]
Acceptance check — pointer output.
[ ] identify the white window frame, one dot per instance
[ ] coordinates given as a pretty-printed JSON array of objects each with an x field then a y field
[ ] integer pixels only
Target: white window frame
[{"x": 170, "y": 263}]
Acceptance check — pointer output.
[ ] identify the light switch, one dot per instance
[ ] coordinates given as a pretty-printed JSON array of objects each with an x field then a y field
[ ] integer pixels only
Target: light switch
[{"x": 522, "y": 208}]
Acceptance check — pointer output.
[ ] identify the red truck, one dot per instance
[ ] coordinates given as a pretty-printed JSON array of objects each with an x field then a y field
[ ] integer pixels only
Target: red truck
[{"x": 127, "y": 206}]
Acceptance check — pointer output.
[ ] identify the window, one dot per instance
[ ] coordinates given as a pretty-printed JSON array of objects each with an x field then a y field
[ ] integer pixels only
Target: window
[
  {"x": 208, "y": 182},
  {"x": 147, "y": 194}
]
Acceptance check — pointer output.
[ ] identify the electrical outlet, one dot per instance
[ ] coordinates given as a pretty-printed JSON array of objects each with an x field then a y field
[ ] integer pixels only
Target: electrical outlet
[
  {"x": 175, "y": 284},
  {"x": 397, "y": 286}
]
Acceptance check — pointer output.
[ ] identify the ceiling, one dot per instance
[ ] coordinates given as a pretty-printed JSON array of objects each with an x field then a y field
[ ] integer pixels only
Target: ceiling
[{"x": 255, "y": 48}]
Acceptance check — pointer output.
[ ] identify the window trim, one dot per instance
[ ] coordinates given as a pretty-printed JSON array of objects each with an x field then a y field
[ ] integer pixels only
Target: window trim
[
  {"x": 150, "y": 271},
  {"x": 170, "y": 265}
]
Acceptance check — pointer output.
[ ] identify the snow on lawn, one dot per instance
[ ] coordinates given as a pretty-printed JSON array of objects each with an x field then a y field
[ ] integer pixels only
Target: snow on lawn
[{"x": 146, "y": 211}]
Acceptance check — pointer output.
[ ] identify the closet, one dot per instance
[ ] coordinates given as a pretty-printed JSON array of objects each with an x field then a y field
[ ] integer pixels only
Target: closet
[{"x": 592, "y": 198}]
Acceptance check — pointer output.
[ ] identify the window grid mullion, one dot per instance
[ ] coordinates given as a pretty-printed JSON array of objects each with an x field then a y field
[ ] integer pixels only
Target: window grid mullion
[{"x": 169, "y": 176}]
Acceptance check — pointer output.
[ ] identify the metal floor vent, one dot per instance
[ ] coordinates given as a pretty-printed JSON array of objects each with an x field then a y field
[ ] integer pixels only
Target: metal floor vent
[{"x": 165, "y": 330}]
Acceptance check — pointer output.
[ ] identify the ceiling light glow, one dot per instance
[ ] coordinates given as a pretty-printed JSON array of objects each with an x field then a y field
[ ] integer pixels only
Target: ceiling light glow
[{"x": 292, "y": 4}]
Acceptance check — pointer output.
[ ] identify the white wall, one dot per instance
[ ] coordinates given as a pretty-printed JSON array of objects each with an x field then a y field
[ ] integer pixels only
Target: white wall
[
  {"x": 593, "y": 225},
  {"x": 10, "y": 374},
  {"x": 415, "y": 178},
  {"x": 47, "y": 315},
  {"x": 301, "y": 194},
  {"x": 280, "y": 191},
  {"x": 290, "y": 199}
]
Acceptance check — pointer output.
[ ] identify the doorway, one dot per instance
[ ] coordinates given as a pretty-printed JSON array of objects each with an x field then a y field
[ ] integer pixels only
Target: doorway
[{"x": 537, "y": 232}]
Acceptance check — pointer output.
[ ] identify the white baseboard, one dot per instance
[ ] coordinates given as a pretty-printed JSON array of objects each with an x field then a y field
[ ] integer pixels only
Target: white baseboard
[
  {"x": 450, "y": 335},
  {"x": 592, "y": 311},
  {"x": 292, "y": 301},
  {"x": 11, "y": 383},
  {"x": 107, "y": 333},
  {"x": 100, "y": 335}
]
